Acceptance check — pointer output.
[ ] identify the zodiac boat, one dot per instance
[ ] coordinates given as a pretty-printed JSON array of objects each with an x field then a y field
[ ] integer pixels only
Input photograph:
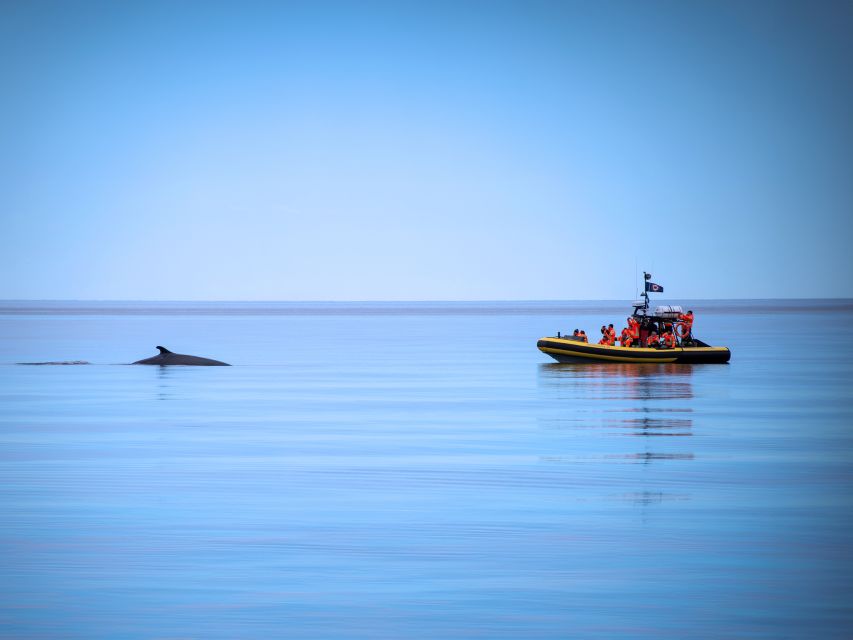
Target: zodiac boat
[
  {"x": 566, "y": 349},
  {"x": 690, "y": 351}
]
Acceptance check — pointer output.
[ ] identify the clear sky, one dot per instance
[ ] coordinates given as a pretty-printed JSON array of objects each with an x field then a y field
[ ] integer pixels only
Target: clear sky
[{"x": 425, "y": 150}]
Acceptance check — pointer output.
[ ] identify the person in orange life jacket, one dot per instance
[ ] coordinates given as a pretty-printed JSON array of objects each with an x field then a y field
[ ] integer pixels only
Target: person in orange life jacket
[
  {"x": 634, "y": 328},
  {"x": 626, "y": 339},
  {"x": 612, "y": 333},
  {"x": 653, "y": 340},
  {"x": 605, "y": 337},
  {"x": 669, "y": 340},
  {"x": 582, "y": 335},
  {"x": 686, "y": 320}
]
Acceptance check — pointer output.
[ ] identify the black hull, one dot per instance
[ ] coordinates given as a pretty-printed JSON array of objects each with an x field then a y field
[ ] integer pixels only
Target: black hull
[{"x": 565, "y": 350}]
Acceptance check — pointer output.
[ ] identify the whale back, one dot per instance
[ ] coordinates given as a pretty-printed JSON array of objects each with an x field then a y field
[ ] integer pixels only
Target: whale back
[{"x": 167, "y": 358}]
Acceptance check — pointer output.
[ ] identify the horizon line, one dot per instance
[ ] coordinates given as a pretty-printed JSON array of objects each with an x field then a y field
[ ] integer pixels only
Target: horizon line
[{"x": 385, "y": 301}]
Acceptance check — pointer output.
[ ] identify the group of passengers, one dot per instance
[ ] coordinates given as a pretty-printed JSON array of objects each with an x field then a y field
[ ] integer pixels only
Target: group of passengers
[{"x": 664, "y": 336}]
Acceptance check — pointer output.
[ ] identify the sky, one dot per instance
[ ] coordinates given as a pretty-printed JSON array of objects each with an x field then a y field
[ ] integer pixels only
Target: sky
[{"x": 425, "y": 150}]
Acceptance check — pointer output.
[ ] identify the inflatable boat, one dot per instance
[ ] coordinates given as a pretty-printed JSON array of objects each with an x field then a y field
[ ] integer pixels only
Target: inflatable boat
[
  {"x": 567, "y": 349},
  {"x": 665, "y": 319}
]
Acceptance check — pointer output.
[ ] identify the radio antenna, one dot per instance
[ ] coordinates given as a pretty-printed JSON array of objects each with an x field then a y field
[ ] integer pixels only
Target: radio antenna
[{"x": 636, "y": 291}]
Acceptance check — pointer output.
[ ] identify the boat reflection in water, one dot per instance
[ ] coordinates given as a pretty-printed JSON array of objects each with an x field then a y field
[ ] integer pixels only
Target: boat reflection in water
[{"x": 601, "y": 404}]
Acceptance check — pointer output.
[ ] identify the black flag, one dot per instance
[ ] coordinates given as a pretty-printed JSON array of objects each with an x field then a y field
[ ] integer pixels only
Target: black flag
[{"x": 654, "y": 288}]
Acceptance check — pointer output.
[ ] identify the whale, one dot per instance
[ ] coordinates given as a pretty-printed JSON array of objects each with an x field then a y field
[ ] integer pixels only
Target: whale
[{"x": 167, "y": 358}]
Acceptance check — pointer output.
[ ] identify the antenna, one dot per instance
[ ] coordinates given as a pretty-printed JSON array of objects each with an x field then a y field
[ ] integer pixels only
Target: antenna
[{"x": 636, "y": 291}]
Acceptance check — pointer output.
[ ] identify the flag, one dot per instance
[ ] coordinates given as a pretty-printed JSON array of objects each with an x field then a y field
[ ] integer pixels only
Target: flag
[{"x": 654, "y": 288}]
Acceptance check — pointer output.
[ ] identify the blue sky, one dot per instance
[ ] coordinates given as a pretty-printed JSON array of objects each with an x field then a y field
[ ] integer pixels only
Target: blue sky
[{"x": 405, "y": 150}]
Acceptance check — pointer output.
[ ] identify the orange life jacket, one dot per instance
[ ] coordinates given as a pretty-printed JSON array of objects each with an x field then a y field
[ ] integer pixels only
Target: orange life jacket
[
  {"x": 669, "y": 340},
  {"x": 653, "y": 341}
]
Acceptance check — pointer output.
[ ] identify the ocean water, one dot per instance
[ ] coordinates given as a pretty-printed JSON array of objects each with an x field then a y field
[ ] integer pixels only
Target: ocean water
[{"x": 379, "y": 470}]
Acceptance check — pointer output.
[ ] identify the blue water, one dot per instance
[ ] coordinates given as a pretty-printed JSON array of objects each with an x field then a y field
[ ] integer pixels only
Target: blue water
[{"x": 371, "y": 470}]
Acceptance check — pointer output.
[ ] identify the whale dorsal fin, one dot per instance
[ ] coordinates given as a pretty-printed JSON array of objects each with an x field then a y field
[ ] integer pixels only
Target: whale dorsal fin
[{"x": 163, "y": 350}]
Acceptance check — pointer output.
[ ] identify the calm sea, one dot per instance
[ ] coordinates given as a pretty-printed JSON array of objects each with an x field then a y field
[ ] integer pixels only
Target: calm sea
[{"x": 379, "y": 470}]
